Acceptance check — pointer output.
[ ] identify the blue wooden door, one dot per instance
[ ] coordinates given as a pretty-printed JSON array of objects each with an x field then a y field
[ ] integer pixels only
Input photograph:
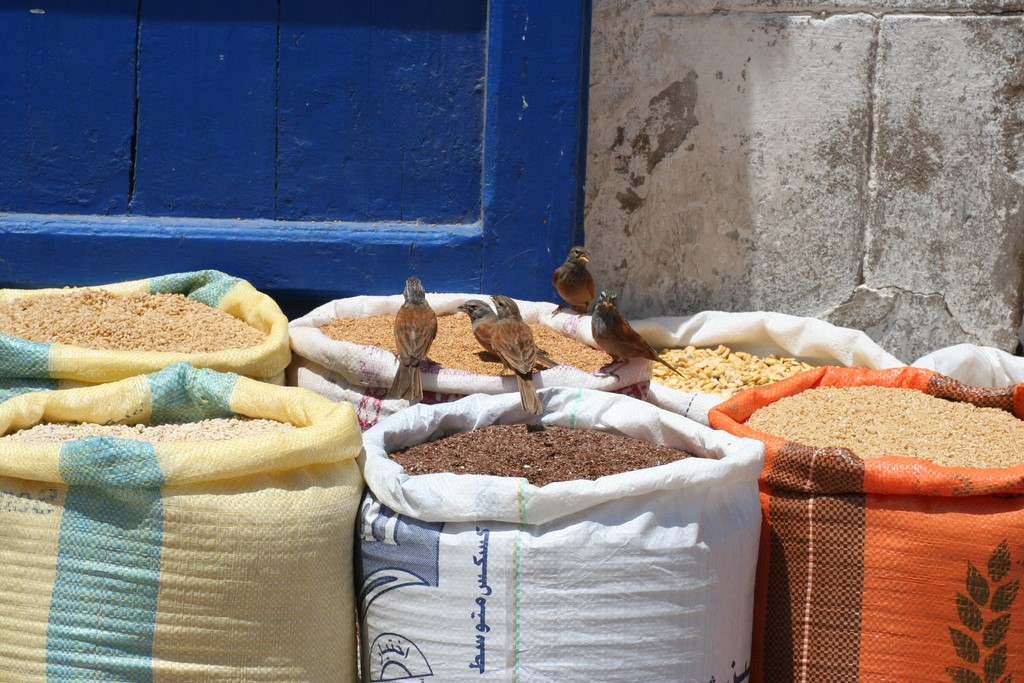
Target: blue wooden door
[{"x": 316, "y": 149}]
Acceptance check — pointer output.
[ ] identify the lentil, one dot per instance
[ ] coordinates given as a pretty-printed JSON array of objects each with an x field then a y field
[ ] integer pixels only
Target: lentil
[
  {"x": 540, "y": 456},
  {"x": 98, "y": 319},
  {"x": 723, "y": 371},
  {"x": 877, "y": 421},
  {"x": 455, "y": 346}
]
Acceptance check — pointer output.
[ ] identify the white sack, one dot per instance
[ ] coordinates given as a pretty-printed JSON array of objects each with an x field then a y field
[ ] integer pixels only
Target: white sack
[
  {"x": 759, "y": 333},
  {"x": 343, "y": 371},
  {"x": 979, "y": 366},
  {"x": 639, "y": 576}
]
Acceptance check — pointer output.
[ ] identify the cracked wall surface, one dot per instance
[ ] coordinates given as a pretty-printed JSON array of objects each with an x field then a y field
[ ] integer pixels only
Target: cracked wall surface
[{"x": 858, "y": 163}]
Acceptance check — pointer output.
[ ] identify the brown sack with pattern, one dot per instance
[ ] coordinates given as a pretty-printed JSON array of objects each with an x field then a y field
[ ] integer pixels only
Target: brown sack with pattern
[{"x": 892, "y": 568}]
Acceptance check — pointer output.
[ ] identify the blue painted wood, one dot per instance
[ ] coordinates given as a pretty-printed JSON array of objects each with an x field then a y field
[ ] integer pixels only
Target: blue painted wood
[
  {"x": 206, "y": 120},
  {"x": 534, "y": 143},
  {"x": 474, "y": 186},
  {"x": 67, "y": 97},
  {"x": 311, "y": 261},
  {"x": 381, "y": 110}
]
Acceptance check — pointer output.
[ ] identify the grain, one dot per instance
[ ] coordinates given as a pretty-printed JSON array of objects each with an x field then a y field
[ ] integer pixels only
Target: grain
[
  {"x": 877, "y": 421},
  {"x": 722, "y": 371},
  {"x": 539, "y": 456},
  {"x": 98, "y": 319},
  {"x": 455, "y": 346},
  {"x": 213, "y": 429}
]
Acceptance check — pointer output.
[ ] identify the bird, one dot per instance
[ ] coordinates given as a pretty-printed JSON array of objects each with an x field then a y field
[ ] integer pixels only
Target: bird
[
  {"x": 483, "y": 318},
  {"x": 616, "y": 337},
  {"x": 574, "y": 282},
  {"x": 512, "y": 341},
  {"x": 415, "y": 329}
]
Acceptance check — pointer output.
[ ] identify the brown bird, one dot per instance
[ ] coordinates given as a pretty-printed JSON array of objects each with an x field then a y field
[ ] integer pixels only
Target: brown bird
[
  {"x": 574, "y": 282},
  {"x": 617, "y": 338},
  {"x": 483, "y": 318},
  {"x": 415, "y": 329},
  {"x": 512, "y": 341}
]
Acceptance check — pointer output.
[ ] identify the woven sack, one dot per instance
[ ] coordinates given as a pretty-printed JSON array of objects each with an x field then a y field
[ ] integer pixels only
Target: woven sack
[
  {"x": 28, "y": 364},
  {"x": 204, "y": 560},
  {"x": 884, "y": 569},
  {"x": 362, "y": 375},
  {"x": 981, "y": 366},
  {"x": 761, "y": 333},
  {"x": 638, "y": 576}
]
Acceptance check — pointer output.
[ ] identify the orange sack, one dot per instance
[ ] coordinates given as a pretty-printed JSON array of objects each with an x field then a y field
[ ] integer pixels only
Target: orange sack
[{"x": 887, "y": 569}]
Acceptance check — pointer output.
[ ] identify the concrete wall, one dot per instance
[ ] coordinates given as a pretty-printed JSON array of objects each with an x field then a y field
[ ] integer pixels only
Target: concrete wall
[{"x": 860, "y": 163}]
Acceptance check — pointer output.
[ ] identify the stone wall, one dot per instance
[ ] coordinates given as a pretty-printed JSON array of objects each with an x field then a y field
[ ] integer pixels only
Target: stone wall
[{"x": 858, "y": 163}]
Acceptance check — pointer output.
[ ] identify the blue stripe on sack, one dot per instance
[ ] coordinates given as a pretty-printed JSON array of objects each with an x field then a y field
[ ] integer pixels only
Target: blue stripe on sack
[
  {"x": 103, "y": 609},
  {"x": 24, "y": 358},
  {"x": 16, "y": 386},
  {"x": 205, "y": 286},
  {"x": 181, "y": 393}
]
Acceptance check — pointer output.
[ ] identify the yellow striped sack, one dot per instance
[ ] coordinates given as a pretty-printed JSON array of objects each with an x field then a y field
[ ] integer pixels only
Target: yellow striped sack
[
  {"x": 28, "y": 365},
  {"x": 200, "y": 560}
]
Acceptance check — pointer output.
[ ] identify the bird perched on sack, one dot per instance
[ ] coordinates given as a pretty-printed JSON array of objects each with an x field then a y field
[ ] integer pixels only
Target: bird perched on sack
[
  {"x": 483, "y": 317},
  {"x": 512, "y": 341},
  {"x": 574, "y": 282},
  {"x": 415, "y": 329},
  {"x": 616, "y": 337}
]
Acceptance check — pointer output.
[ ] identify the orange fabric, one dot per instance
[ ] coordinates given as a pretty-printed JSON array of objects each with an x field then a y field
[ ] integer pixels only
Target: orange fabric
[{"x": 885, "y": 569}]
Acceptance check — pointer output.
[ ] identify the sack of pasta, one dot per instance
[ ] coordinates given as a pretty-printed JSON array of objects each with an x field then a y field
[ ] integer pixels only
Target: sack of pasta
[
  {"x": 60, "y": 338},
  {"x": 180, "y": 526},
  {"x": 345, "y": 350},
  {"x": 892, "y": 545},
  {"x": 720, "y": 353}
]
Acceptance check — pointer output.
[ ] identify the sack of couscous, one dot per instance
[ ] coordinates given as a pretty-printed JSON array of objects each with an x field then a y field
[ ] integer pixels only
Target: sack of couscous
[
  {"x": 59, "y": 338},
  {"x": 892, "y": 540},
  {"x": 185, "y": 525}
]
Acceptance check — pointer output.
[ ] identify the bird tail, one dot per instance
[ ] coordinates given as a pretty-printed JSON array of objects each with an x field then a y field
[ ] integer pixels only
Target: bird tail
[
  {"x": 408, "y": 384},
  {"x": 670, "y": 366},
  {"x": 528, "y": 395}
]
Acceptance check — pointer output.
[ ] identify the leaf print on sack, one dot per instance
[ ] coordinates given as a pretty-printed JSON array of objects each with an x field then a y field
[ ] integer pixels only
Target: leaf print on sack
[
  {"x": 989, "y": 618},
  {"x": 970, "y": 614},
  {"x": 977, "y": 586}
]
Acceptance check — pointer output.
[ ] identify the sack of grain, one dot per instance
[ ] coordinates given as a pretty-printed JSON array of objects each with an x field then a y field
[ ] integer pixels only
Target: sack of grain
[
  {"x": 179, "y": 541},
  {"x": 645, "y": 575},
  {"x": 56, "y": 338},
  {"x": 876, "y": 561},
  {"x": 980, "y": 366},
  {"x": 735, "y": 351},
  {"x": 361, "y": 373}
]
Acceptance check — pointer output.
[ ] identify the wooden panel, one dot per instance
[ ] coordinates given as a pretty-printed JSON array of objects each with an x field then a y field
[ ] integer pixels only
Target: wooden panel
[
  {"x": 67, "y": 99},
  {"x": 534, "y": 142},
  {"x": 206, "y": 122},
  {"x": 381, "y": 110}
]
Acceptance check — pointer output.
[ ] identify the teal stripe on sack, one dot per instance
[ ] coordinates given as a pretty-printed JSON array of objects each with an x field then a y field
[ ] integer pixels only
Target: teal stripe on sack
[
  {"x": 205, "y": 286},
  {"x": 103, "y": 609},
  {"x": 182, "y": 393},
  {"x": 16, "y": 386},
  {"x": 23, "y": 358}
]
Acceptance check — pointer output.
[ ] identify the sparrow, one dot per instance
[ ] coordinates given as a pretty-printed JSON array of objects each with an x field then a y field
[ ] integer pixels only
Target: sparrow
[
  {"x": 483, "y": 318},
  {"x": 415, "y": 329},
  {"x": 512, "y": 341},
  {"x": 616, "y": 337},
  {"x": 573, "y": 281}
]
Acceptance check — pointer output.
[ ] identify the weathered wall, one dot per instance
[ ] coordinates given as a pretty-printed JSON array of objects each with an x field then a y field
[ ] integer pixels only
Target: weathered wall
[{"x": 863, "y": 164}]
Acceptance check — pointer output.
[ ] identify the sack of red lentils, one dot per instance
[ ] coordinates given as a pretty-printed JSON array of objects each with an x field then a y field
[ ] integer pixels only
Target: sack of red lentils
[
  {"x": 186, "y": 525},
  {"x": 345, "y": 350},
  {"x": 56, "y": 338},
  {"x": 637, "y": 575},
  {"x": 721, "y": 353},
  {"x": 981, "y": 366},
  {"x": 892, "y": 545}
]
